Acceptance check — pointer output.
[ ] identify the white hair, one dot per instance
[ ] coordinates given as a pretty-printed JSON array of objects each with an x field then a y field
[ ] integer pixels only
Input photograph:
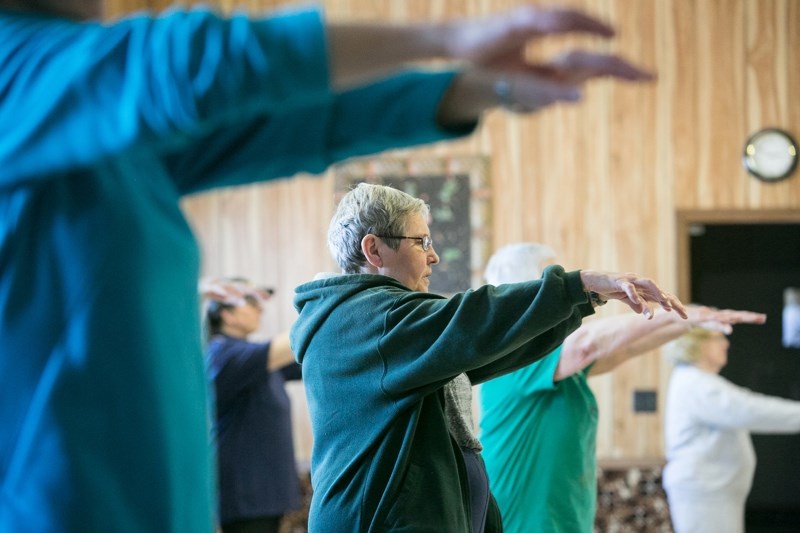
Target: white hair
[{"x": 517, "y": 262}]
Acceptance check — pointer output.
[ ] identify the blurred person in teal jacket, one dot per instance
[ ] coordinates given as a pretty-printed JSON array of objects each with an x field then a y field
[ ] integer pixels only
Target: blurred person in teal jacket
[{"x": 106, "y": 126}]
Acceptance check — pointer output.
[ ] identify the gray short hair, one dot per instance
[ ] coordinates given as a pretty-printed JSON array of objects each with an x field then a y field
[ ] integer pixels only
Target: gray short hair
[
  {"x": 686, "y": 349},
  {"x": 369, "y": 208},
  {"x": 517, "y": 262}
]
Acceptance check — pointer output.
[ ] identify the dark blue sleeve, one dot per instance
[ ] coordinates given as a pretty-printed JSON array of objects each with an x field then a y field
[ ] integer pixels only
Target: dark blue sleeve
[
  {"x": 234, "y": 366},
  {"x": 292, "y": 372}
]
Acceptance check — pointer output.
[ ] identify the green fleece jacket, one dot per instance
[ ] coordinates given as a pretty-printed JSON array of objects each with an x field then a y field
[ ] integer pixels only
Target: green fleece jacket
[{"x": 375, "y": 357}]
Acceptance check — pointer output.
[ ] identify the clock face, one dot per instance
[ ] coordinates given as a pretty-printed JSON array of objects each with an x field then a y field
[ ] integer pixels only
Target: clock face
[{"x": 770, "y": 154}]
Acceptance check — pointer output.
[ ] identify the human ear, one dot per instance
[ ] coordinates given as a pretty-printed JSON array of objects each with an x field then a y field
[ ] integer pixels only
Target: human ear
[{"x": 370, "y": 249}]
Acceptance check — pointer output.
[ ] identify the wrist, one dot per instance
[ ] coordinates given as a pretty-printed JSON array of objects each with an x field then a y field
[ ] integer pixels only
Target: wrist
[
  {"x": 596, "y": 299},
  {"x": 589, "y": 280},
  {"x": 502, "y": 89},
  {"x": 467, "y": 98}
]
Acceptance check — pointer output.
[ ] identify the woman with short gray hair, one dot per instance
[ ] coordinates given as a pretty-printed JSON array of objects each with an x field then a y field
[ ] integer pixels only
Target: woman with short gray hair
[
  {"x": 377, "y": 350},
  {"x": 369, "y": 209}
]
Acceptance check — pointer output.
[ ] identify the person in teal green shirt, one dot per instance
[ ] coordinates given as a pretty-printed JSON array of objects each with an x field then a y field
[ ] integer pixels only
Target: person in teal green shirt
[{"x": 538, "y": 424}]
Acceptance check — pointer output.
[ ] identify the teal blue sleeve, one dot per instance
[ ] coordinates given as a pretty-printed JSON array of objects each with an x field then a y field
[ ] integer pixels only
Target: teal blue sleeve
[
  {"x": 78, "y": 94},
  {"x": 396, "y": 112}
]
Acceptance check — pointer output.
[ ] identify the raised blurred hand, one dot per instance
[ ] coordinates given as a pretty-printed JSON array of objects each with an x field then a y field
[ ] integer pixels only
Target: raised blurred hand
[{"x": 232, "y": 291}]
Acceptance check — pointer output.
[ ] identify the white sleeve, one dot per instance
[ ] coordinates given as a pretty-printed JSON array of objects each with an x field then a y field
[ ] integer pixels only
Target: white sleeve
[{"x": 720, "y": 403}]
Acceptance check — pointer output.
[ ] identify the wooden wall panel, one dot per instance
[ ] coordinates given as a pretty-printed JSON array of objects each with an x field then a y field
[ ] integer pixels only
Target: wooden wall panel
[
  {"x": 792, "y": 22},
  {"x": 601, "y": 182},
  {"x": 628, "y": 162},
  {"x": 769, "y": 95}
]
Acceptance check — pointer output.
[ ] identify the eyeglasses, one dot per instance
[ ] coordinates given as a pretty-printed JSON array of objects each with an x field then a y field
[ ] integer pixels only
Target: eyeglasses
[{"x": 424, "y": 241}]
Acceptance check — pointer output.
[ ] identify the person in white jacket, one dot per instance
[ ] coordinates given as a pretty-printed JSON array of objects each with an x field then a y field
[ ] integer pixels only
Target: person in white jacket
[{"x": 708, "y": 421}]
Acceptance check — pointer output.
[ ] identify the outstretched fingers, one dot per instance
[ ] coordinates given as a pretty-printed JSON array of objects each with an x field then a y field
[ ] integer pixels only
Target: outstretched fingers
[
  {"x": 535, "y": 22},
  {"x": 670, "y": 302},
  {"x": 578, "y": 66},
  {"x": 648, "y": 291},
  {"x": 722, "y": 320},
  {"x": 732, "y": 316},
  {"x": 500, "y": 40},
  {"x": 640, "y": 294},
  {"x": 667, "y": 301},
  {"x": 633, "y": 299}
]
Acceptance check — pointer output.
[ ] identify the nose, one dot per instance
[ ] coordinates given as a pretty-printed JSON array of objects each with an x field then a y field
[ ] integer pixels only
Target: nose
[{"x": 433, "y": 257}]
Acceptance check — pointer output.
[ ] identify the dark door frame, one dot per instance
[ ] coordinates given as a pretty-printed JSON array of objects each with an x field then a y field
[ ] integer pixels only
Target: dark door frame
[{"x": 685, "y": 219}]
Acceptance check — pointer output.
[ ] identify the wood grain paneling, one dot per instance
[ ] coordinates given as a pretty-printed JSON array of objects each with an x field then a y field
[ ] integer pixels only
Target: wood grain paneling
[{"x": 601, "y": 182}]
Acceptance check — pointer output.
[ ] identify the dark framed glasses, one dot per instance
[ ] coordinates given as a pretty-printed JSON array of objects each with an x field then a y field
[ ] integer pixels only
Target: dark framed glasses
[{"x": 424, "y": 241}]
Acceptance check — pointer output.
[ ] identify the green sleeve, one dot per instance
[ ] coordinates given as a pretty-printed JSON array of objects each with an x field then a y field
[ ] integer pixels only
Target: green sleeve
[
  {"x": 485, "y": 333},
  {"x": 538, "y": 376}
]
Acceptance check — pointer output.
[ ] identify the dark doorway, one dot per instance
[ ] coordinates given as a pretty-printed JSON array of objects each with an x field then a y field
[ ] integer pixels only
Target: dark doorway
[{"x": 747, "y": 265}]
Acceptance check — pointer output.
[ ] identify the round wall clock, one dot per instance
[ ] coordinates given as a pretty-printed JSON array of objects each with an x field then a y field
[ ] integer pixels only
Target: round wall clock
[{"x": 770, "y": 154}]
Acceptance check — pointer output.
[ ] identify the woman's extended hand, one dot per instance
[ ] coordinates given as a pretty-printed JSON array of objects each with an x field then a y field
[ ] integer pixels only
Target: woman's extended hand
[
  {"x": 493, "y": 51},
  {"x": 506, "y": 75},
  {"x": 637, "y": 292},
  {"x": 722, "y": 319}
]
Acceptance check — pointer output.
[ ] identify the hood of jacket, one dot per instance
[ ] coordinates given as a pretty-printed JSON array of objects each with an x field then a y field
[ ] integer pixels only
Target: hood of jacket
[{"x": 315, "y": 300}]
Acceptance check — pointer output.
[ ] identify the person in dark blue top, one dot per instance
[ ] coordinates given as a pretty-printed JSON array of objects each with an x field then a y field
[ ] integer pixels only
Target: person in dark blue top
[{"x": 258, "y": 481}]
